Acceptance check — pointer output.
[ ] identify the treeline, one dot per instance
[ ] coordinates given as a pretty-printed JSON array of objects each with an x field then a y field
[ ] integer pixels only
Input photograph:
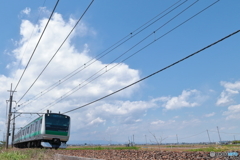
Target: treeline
[{"x": 235, "y": 142}]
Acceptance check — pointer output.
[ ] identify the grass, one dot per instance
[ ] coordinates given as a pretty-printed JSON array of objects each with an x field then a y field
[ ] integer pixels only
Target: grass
[
  {"x": 16, "y": 155},
  {"x": 222, "y": 148},
  {"x": 177, "y": 146},
  {"x": 24, "y": 154},
  {"x": 104, "y": 148}
]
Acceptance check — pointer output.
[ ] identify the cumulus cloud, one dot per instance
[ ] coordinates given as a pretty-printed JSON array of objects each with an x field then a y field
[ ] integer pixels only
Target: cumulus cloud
[
  {"x": 226, "y": 96},
  {"x": 233, "y": 112},
  {"x": 114, "y": 113},
  {"x": 96, "y": 121},
  {"x": 67, "y": 60},
  {"x": 191, "y": 98}
]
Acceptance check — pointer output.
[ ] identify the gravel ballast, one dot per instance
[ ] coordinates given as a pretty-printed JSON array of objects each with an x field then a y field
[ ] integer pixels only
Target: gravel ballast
[{"x": 143, "y": 155}]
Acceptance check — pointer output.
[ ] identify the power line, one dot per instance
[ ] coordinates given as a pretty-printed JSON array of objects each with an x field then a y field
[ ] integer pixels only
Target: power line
[
  {"x": 110, "y": 49},
  {"x": 156, "y": 71},
  {"x": 37, "y": 44},
  {"x": 77, "y": 87},
  {"x": 193, "y": 135},
  {"x": 30, "y": 37},
  {"x": 188, "y": 136},
  {"x": 224, "y": 132},
  {"x": 57, "y": 50}
]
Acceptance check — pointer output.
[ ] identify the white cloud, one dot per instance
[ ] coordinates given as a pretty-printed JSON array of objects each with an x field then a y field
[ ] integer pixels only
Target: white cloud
[
  {"x": 189, "y": 98},
  {"x": 26, "y": 11},
  {"x": 158, "y": 122},
  {"x": 96, "y": 121},
  {"x": 67, "y": 60},
  {"x": 210, "y": 114},
  {"x": 233, "y": 112},
  {"x": 226, "y": 96}
]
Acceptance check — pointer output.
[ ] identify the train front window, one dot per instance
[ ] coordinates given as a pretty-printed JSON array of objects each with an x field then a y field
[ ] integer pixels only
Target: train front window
[{"x": 57, "y": 122}]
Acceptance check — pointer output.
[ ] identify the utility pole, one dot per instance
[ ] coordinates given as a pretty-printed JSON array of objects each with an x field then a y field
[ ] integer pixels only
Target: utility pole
[
  {"x": 133, "y": 138},
  {"x": 219, "y": 135},
  {"x": 177, "y": 138},
  {"x": 9, "y": 117},
  {"x": 208, "y": 136},
  {"x": 146, "y": 139},
  {"x": 13, "y": 129}
]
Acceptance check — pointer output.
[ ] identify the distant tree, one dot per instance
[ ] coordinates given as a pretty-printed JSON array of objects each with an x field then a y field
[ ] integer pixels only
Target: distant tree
[
  {"x": 235, "y": 142},
  {"x": 2, "y": 143}
]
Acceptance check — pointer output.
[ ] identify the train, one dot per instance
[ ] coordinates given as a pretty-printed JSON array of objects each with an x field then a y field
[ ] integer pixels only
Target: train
[{"x": 50, "y": 130}]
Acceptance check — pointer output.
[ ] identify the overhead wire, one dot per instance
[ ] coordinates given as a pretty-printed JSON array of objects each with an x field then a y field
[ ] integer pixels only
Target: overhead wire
[
  {"x": 77, "y": 87},
  {"x": 30, "y": 37},
  {"x": 36, "y": 46},
  {"x": 156, "y": 72},
  {"x": 188, "y": 136},
  {"x": 102, "y": 54},
  {"x": 192, "y": 135},
  {"x": 56, "y": 51},
  {"x": 224, "y": 132}
]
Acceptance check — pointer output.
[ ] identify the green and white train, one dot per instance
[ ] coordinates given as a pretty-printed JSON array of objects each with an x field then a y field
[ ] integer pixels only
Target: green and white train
[{"x": 51, "y": 130}]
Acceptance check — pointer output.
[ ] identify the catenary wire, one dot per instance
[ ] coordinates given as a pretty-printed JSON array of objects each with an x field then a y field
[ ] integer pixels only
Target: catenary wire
[
  {"x": 224, "y": 132},
  {"x": 36, "y": 46},
  {"x": 156, "y": 71},
  {"x": 77, "y": 87},
  {"x": 117, "y": 44},
  {"x": 188, "y": 136},
  {"x": 56, "y": 51}
]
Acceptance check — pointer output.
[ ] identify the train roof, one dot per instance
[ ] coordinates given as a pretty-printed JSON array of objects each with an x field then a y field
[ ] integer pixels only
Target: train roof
[{"x": 38, "y": 118}]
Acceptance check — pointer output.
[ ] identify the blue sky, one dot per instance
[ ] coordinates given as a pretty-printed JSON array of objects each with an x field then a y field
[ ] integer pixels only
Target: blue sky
[{"x": 191, "y": 97}]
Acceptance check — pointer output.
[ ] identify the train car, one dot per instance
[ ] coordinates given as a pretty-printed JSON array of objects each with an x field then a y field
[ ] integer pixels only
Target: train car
[{"x": 51, "y": 130}]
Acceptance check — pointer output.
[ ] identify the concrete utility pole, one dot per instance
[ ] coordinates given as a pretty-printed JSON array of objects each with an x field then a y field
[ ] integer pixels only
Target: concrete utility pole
[
  {"x": 9, "y": 117},
  {"x": 208, "y": 136},
  {"x": 13, "y": 129},
  {"x": 219, "y": 134},
  {"x": 177, "y": 138},
  {"x": 146, "y": 139}
]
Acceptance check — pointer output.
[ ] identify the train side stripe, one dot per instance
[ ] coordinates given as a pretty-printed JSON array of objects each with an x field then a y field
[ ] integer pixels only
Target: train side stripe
[{"x": 56, "y": 133}]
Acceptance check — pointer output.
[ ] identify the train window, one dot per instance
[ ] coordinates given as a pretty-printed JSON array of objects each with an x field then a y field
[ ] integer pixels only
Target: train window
[
  {"x": 37, "y": 125},
  {"x": 56, "y": 122}
]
